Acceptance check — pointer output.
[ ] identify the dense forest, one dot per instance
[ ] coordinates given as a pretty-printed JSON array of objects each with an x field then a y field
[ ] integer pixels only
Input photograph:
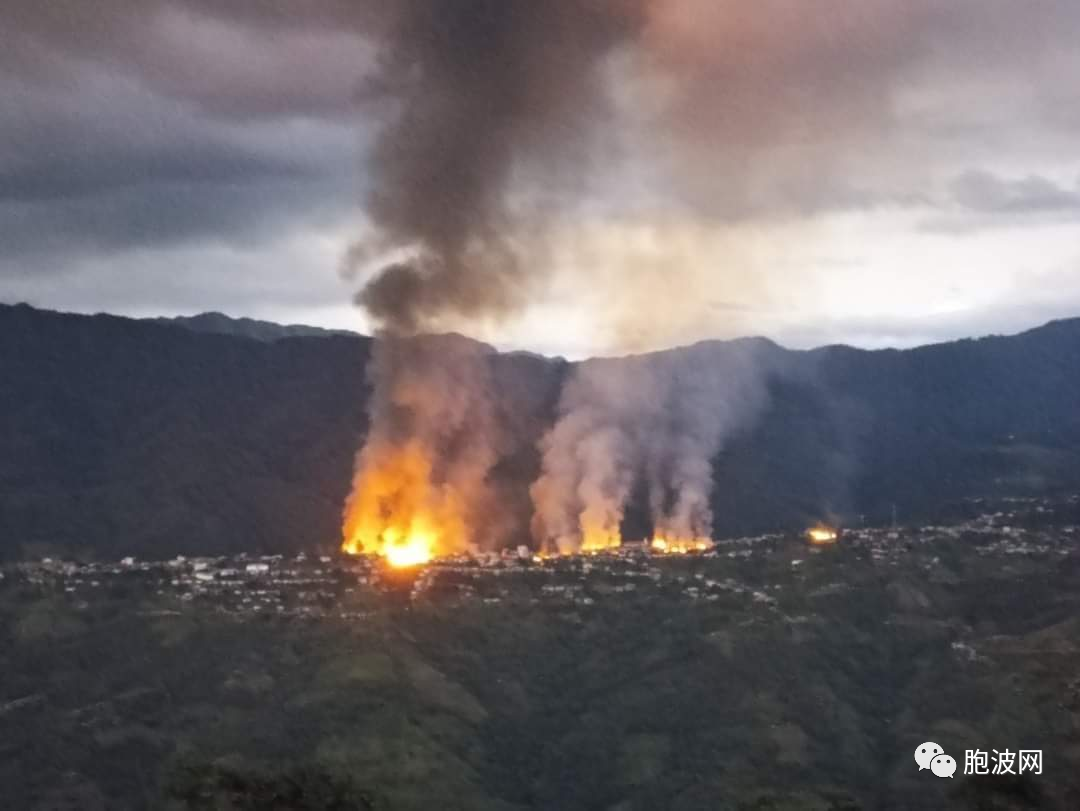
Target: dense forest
[{"x": 121, "y": 436}]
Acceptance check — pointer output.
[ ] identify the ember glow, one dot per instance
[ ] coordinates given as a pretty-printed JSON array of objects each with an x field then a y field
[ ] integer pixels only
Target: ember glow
[
  {"x": 679, "y": 546},
  {"x": 821, "y": 535}
]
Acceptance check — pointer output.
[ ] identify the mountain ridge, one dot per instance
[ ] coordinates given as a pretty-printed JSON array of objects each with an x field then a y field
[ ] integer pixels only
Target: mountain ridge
[
  {"x": 219, "y": 323},
  {"x": 125, "y": 436}
]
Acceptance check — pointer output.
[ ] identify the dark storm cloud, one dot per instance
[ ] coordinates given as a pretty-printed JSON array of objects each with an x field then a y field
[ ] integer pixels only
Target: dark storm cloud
[
  {"x": 109, "y": 192},
  {"x": 773, "y": 109},
  {"x": 154, "y": 124},
  {"x": 986, "y": 193},
  {"x": 234, "y": 59},
  {"x": 160, "y": 216},
  {"x": 136, "y": 123},
  {"x": 978, "y": 200},
  {"x": 77, "y": 176}
]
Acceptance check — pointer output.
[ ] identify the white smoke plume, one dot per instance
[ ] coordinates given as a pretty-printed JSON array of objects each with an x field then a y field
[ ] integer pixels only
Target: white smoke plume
[
  {"x": 659, "y": 418},
  {"x": 588, "y": 458},
  {"x": 712, "y": 392}
]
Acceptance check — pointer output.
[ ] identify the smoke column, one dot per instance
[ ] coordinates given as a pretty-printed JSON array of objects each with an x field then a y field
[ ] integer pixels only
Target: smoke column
[
  {"x": 660, "y": 418},
  {"x": 478, "y": 97},
  {"x": 473, "y": 93},
  {"x": 431, "y": 442},
  {"x": 492, "y": 115},
  {"x": 590, "y": 455},
  {"x": 712, "y": 390}
]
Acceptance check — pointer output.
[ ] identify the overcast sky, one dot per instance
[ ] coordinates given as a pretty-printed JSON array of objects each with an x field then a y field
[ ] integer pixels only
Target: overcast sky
[{"x": 887, "y": 172}]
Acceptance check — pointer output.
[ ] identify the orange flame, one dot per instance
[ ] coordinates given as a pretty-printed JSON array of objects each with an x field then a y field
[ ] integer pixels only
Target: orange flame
[
  {"x": 599, "y": 530},
  {"x": 396, "y": 512},
  {"x": 599, "y": 541},
  {"x": 415, "y": 549},
  {"x": 679, "y": 546},
  {"x": 821, "y": 535}
]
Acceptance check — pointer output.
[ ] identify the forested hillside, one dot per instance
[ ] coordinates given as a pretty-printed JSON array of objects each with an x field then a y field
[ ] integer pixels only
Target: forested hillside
[{"x": 120, "y": 436}]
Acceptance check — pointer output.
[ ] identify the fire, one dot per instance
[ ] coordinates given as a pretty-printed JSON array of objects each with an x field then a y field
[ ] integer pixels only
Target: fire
[
  {"x": 593, "y": 542},
  {"x": 821, "y": 535},
  {"x": 396, "y": 511},
  {"x": 599, "y": 530},
  {"x": 413, "y": 550},
  {"x": 679, "y": 546}
]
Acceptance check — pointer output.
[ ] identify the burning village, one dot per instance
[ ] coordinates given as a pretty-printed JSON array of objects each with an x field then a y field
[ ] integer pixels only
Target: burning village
[
  {"x": 351, "y": 585},
  {"x": 539, "y": 405}
]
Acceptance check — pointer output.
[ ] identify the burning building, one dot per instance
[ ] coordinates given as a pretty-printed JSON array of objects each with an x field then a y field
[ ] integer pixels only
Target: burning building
[
  {"x": 680, "y": 546},
  {"x": 822, "y": 535}
]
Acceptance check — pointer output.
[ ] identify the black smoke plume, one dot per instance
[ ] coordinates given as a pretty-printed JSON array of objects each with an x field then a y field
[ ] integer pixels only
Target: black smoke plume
[{"x": 475, "y": 94}]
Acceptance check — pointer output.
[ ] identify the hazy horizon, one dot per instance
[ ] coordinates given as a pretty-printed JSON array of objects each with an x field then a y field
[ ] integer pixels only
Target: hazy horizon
[{"x": 931, "y": 341}]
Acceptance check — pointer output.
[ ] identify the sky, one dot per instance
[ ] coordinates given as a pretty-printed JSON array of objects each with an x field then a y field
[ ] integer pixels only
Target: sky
[{"x": 886, "y": 173}]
